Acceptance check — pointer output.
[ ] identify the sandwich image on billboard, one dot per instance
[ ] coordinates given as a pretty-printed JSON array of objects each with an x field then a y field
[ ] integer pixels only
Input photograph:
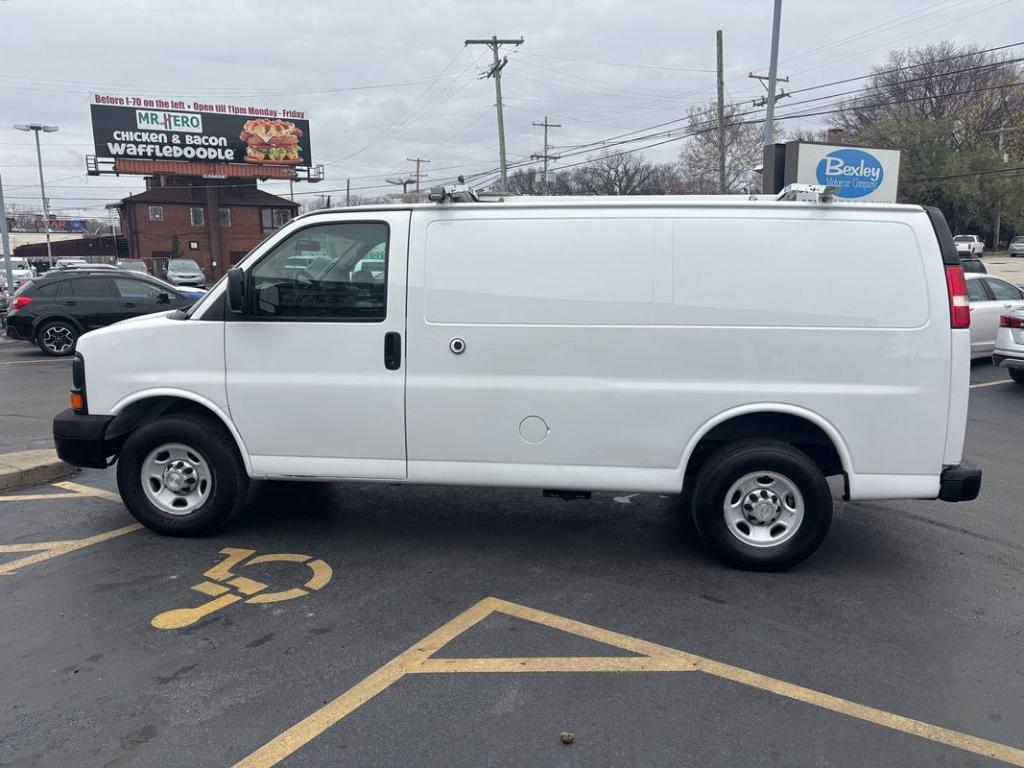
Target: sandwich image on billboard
[
  {"x": 191, "y": 131},
  {"x": 272, "y": 141}
]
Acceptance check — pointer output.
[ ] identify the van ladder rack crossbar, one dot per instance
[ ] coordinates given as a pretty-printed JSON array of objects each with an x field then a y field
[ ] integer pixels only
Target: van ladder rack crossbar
[
  {"x": 813, "y": 193},
  {"x": 453, "y": 193}
]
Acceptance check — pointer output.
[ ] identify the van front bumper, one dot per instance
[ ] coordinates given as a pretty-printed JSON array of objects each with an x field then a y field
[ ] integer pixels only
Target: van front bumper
[
  {"x": 81, "y": 439},
  {"x": 959, "y": 484}
]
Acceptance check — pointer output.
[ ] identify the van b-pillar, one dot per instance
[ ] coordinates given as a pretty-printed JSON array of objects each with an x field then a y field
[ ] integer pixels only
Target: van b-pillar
[{"x": 213, "y": 224}]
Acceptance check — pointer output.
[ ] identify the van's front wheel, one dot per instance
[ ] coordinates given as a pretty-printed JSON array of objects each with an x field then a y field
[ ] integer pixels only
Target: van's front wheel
[
  {"x": 181, "y": 475},
  {"x": 762, "y": 505}
]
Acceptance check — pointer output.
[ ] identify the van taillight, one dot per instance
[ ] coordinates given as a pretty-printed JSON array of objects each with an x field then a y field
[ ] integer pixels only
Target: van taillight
[
  {"x": 1011, "y": 322},
  {"x": 956, "y": 286},
  {"x": 20, "y": 302}
]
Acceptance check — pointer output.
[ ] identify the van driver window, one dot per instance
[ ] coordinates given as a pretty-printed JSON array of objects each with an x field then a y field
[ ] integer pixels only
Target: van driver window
[{"x": 325, "y": 272}]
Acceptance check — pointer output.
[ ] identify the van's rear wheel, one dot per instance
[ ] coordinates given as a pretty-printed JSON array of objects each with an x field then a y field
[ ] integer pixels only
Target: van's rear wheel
[
  {"x": 762, "y": 505},
  {"x": 181, "y": 475}
]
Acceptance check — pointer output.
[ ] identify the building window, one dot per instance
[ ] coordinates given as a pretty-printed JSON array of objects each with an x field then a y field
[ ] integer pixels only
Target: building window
[
  {"x": 156, "y": 213},
  {"x": 225, "y": 216},
  {"x": 196, "y": 215},
  {"x": 274, "y": 218}
]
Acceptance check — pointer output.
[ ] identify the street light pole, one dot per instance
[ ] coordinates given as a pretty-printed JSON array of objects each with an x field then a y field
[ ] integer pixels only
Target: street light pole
[{"x": 36, "y": 128}]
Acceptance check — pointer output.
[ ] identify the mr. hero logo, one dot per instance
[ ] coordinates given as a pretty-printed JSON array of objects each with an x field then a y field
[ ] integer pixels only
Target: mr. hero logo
[
  {"x": 159, "y": 120},
  {"x": 853, "y": 172}
]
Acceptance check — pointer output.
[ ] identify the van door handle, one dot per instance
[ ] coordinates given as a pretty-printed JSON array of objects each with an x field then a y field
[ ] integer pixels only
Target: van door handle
[{"x": 392, "y": 350}]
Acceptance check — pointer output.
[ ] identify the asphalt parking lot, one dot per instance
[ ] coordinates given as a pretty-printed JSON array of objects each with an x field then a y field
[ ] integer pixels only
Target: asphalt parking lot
[{"x": 396, "y": 626}]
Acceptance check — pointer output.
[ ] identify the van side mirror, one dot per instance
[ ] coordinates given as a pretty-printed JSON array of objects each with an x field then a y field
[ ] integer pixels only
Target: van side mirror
[{"x": 236, "y": 290}]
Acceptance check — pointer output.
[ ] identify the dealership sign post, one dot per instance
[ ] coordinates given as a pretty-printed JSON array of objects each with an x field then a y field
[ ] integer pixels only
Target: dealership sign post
[
  {"x": 857, "y": 173},
  {"x": 128, "y": 129}
]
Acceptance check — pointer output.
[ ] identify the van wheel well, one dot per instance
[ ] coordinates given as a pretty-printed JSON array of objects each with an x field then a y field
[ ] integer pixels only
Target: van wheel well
[
  {"x": 144, "y": 411},
  {"x": 799, "y": 432}
]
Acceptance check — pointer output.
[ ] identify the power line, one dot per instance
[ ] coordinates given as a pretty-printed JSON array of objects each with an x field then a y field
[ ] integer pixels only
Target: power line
[{"x": 615, "y": 63}]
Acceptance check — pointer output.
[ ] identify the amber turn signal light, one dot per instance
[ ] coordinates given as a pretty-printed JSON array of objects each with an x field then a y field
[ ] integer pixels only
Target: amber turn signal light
[{"x": 77, "y": 401}]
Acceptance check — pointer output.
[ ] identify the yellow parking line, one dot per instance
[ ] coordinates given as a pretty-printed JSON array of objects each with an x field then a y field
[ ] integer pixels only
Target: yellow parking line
[
  {"x": 308, "y": 729},
  {"x": 34, "y": 546},
  {"x": 991, "y": 383},
  {"x": 557, "y": 664},
  {"x": 58, "y": 548},
  {"x": 46, "y": 550},
  {"x": 39, "y": 496},
  {"x": 653, "y": 658},
  {"x": 86, "y": 490}
]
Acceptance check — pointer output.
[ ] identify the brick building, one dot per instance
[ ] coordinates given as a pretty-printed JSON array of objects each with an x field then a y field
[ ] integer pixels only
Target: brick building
[{"x": 214, "y": 222}]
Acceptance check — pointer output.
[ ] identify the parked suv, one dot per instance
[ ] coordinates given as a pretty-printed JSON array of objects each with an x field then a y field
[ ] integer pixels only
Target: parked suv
[
  {"x": 185, "y": 272},
  {"x": 54, "y": 310}
]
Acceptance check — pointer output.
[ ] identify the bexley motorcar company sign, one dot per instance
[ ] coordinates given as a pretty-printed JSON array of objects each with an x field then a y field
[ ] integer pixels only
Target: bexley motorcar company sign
[
  {"x": 174, "y": 129},
  {"x": 856, "y": 173}
]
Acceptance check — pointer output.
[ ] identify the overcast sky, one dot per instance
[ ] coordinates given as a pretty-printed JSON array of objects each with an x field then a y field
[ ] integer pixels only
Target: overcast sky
[{"x": 384, "y": 81}]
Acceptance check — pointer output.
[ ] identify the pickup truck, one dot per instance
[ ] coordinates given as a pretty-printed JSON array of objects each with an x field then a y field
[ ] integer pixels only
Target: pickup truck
[{"x": 969, "y": 246}]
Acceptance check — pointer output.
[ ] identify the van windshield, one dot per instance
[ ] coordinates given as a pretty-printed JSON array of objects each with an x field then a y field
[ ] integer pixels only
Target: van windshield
[{"x": 182, "y": 265}]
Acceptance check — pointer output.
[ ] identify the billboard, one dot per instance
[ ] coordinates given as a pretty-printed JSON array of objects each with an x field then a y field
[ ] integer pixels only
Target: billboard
[
  {"x": 138, "y": 128},
  {"x": 857, "y": 173}
]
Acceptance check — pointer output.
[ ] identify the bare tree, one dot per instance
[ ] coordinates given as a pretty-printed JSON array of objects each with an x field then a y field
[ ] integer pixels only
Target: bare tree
[
  {"x": 699, "y": 155},
  {"x": 974, "y": 91},
  {"x": 525, "y": 181}
]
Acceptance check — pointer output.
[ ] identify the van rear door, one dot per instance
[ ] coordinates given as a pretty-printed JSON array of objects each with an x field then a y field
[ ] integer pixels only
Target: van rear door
[{"x": 315, "y": 365}]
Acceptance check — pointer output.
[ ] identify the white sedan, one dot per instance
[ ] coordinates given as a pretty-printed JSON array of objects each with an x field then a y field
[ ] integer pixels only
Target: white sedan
[
  {"x": 990, "y": 297},
  {"x": 1009, "y": 351}
]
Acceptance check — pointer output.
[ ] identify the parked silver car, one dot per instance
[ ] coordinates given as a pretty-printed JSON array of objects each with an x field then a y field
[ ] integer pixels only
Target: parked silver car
[
  {"x": 1016, "y": 247},
  {"x": 989, "y": 297},
  {"x": 185, "y": 272},
  {"x": 1009, "y": 351}
]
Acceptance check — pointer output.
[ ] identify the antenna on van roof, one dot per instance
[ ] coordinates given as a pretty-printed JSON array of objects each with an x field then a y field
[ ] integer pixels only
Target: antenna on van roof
[
  {"x": 813, "y": 193},
  {"x": 454, "y": 193}
]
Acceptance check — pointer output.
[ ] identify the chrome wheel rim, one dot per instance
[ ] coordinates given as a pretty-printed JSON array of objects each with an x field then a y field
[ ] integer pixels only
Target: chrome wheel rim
[
  {"x": 58, "y": 339},
  {"x": 763, "y": 509},
  {"x": 176, "y": 478}
]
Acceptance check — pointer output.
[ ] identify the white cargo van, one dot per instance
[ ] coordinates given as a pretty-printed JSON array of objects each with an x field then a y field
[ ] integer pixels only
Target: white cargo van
[{"x": 564, "y": 344}]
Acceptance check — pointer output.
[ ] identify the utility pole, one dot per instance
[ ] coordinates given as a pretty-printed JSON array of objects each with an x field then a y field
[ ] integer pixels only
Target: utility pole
[
  {"x": 5, "y": 242},
  {"x": 999, "y": 199},
  {"x": 348, "y": 187},
  {"x": 773, "y": 71},
  {"x": 418, "y": 175},
  {"x": 495, "y": 71},
  {"x": 545, "y": 157},
  {"x": 721, "y": 113}
]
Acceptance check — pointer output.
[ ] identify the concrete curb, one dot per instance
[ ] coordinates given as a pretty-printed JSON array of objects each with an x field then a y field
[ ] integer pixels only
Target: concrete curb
[{"x": 31, "y": 468}]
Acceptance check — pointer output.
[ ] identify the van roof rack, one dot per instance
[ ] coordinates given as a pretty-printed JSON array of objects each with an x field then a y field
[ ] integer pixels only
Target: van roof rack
[
  {"x": 812, "y": 193},
  {"x": 454, "y": 193}
]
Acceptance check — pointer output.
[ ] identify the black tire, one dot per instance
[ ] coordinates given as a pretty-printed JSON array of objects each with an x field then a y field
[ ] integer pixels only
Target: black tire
[
  {"x": 739, "y": 460},
  {"x": 1016, "y": 374},
  {"x": 228, "y": 481},
  {"x": 57, "y": 338}
]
